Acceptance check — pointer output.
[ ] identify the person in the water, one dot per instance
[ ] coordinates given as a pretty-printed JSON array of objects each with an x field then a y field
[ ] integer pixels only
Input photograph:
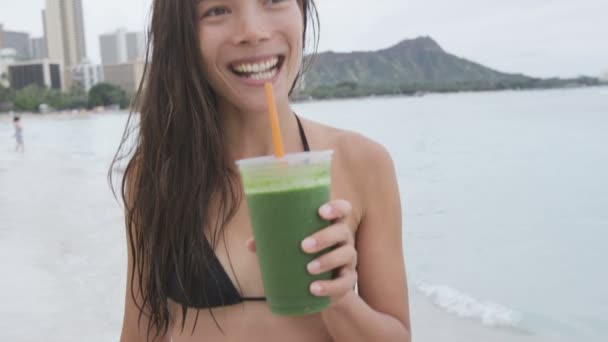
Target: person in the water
[{"x": 20, "y": 147}]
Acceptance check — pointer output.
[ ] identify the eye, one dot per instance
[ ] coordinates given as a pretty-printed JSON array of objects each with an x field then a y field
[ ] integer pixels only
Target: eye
[
  {"x": 275, "y": 2},
  {"x": 216, "y": 12}
]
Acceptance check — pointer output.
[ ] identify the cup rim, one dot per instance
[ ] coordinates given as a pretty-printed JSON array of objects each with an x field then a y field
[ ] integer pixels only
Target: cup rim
[{"x": 307, "y": 157}]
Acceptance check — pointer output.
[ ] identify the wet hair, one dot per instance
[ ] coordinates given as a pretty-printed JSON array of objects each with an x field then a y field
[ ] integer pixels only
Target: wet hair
[{"x": 177, "y": 163}]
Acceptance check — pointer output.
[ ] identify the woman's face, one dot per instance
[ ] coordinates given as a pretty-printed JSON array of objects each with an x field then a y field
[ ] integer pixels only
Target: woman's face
[{"x": 246, "y": 43}]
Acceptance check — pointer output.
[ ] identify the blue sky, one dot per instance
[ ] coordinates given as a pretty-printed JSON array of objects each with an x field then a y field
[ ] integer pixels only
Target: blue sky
[{"x": 537, "y": 37}]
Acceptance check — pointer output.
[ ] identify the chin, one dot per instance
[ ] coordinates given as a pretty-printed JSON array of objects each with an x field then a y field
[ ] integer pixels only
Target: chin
[
  {"x": 252, "y": 106},
  {"x": 254, "y": 100}
]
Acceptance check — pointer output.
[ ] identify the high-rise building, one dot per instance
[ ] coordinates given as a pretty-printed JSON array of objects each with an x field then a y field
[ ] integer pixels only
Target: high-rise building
[
  {"x": 43, "y": 73},
  {"x": 87, "y": 75},
  {"x": 136, "y": 46},
  {"x": 20, "y": 41},
  {"x": 121, "y": 47},
  {"x": 113, "y": 48},
  {"x": 64, "y": 31},
  {"x": 38, "y": 48},
  {"x": 7, "y": 57},
  {"x": 126, "y": 76}
]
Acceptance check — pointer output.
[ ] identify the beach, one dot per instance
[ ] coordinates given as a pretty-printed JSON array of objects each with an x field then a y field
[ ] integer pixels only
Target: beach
[{"x": 503, "y": 199}]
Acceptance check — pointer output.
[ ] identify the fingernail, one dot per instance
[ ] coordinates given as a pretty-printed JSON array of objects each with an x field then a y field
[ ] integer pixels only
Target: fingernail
[
  {"x": 309, "y": 243},
  {"x": 326, "y": 210},
  {"x": 314, "y": 266},
  {"x": 316, "y": 289}
]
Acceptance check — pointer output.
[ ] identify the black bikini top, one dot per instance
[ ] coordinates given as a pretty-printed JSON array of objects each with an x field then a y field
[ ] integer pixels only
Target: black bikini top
[{"x": 218, "y": 289}]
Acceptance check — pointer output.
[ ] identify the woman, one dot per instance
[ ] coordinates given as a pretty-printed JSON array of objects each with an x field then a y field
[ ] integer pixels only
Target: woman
[{"x": 192, "y": 270}]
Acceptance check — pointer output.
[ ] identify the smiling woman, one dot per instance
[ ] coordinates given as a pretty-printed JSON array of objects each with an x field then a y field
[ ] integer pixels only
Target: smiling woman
[{"x": 192, "y": 269}]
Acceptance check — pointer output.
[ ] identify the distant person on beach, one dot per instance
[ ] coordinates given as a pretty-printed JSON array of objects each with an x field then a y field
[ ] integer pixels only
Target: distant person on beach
[
  {"x": 193, "y": 273},
  {"x": 18, "y": 134}
]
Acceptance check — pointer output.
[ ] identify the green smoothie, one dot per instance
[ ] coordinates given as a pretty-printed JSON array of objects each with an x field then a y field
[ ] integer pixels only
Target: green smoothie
[{"x": 283, "y": 197}]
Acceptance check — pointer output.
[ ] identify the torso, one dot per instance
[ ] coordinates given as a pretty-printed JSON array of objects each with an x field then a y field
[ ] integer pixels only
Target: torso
[{"x": 253, "y": 321}]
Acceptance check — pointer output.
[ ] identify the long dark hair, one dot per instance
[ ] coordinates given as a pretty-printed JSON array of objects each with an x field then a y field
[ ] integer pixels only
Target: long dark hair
[{"x": 178, "y": 166}]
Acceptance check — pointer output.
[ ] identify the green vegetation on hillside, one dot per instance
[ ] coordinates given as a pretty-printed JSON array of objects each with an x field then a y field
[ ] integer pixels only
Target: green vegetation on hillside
[
  {"x": 410, "y": 67},
  {"x": 352, "y": 89}
]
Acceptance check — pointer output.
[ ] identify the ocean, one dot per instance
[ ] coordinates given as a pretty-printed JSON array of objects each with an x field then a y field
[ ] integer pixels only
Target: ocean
[{"x": 505, "y": 212}]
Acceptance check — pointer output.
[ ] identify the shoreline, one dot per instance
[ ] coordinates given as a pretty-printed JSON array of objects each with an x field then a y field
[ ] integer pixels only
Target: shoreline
[
  {"x": 452, "y": 93},
  {"x": 421, "y": 94}
]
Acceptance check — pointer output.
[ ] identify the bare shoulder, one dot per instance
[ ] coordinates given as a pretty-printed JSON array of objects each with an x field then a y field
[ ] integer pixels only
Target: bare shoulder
[
  {"x": 363, "y": 166},
  {"x": 362, "y": 155}
]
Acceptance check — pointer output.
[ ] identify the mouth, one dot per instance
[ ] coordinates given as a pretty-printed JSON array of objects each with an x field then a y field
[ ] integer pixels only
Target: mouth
[{"x": 261, "y": 69}]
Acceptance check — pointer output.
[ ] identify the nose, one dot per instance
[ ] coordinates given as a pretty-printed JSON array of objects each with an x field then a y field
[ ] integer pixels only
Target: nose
[{"x": 252, "y": 28}]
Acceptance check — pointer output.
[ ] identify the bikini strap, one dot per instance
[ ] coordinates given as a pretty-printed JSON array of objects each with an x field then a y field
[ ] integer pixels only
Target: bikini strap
[{"x": 302, "y": 134}]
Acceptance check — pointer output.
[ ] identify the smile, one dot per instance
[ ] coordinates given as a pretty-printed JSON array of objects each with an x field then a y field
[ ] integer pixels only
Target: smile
[{"x": 258, "y": 70}]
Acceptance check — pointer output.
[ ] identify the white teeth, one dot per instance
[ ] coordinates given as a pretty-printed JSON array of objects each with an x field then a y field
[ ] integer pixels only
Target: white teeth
[
  {"x": 258, "y": 67},
  {"x": 263, "y": 75}
]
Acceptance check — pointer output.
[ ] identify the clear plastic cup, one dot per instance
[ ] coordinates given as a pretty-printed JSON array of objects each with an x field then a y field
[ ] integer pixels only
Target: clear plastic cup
[{"x": 283, "y": 196}]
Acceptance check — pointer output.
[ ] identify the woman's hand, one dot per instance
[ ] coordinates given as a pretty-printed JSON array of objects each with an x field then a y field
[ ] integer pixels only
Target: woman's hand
[{"x": 342, "y": 259}]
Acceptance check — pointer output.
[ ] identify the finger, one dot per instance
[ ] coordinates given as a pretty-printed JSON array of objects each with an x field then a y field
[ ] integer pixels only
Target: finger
[
  {"x": 336, "y": 209},
  {"x": 336, "y": 287},
  {"x": 251, "y": 245},
  {"x": 337, "y": 234},
  {"x": 345, "y": 256}
]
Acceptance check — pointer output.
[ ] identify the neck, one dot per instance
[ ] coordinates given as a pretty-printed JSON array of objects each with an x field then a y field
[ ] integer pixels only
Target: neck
[{"x": 248, "y": 134}]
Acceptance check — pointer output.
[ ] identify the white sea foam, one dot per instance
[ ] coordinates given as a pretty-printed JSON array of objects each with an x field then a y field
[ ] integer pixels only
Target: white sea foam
[{"x": 465, "y": 306}]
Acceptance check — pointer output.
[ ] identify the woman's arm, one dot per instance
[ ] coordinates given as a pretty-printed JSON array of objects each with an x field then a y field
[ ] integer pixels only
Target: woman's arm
[{"x": 380, "y": 312}]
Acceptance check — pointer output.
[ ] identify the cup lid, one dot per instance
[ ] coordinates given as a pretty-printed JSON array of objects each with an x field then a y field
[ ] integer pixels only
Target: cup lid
[{"x": 300, "y": 158}]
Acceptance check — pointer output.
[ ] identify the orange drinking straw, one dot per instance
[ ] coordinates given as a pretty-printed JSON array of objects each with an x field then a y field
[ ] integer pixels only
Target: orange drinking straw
[{"x": 274, "y": 122}]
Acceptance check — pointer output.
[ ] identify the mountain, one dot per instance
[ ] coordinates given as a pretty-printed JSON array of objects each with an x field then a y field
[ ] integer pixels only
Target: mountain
[{"x": 415, "y": 61}]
